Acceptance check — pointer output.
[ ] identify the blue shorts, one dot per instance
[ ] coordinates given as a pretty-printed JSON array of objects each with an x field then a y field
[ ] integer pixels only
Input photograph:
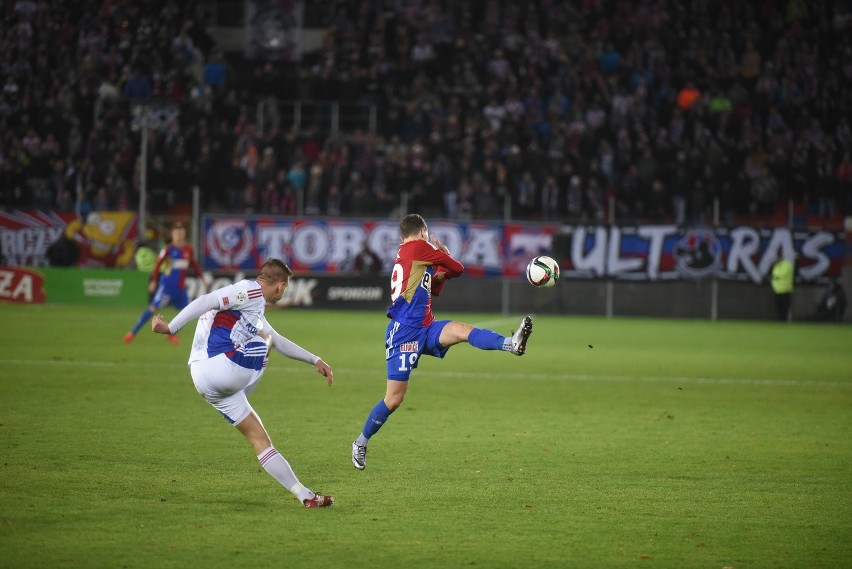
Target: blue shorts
[
  {"x": 404, "y": 344},
  {"x": 175, "y": 296}
]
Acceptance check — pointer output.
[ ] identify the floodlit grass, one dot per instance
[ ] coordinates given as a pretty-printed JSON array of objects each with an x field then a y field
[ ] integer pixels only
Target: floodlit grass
[{"x": 612, "y": 443}]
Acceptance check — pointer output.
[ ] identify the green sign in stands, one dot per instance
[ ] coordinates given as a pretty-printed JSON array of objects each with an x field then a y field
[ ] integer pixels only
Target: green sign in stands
[{"x": 105, "y": 287}]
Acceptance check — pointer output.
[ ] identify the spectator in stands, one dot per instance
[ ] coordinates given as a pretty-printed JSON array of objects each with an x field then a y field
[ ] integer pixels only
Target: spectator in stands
[
  {"x": 270, "y": 198},
  {"x": 138, "y": 85},
  {"x": 550, "y": 199},
  {"x": 528, "y": 88},
  {"x": 367, "y": 262},
  {"x": 214, "y": 72}
]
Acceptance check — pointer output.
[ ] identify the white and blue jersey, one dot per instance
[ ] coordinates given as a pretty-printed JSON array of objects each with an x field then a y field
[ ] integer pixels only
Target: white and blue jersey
[{"x": 233, "y": 327}]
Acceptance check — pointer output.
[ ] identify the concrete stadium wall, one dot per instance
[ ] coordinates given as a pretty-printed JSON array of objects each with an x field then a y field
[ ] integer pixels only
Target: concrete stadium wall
[
  {"x": 681, "y": 299},
  {"x": 672, "y": 299}
]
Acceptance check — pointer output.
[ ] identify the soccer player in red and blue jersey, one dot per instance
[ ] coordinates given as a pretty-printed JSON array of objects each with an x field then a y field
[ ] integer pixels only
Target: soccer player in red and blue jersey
[
  {"x": 168, "y": 280},
  {"x": 422, "y": 267}
]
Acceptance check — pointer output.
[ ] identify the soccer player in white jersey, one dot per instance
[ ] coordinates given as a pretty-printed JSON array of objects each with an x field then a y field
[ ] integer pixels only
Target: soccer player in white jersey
[{"x": 229, "y": 355}]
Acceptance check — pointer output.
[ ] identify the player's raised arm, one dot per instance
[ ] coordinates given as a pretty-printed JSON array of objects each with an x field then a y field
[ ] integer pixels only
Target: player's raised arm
[{"x": 440, "y": 256}]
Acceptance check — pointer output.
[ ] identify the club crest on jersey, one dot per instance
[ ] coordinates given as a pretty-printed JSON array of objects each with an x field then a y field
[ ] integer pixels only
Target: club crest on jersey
[
  {"x": 241, "y": 296},
  {"x": 408, "y": 347}
]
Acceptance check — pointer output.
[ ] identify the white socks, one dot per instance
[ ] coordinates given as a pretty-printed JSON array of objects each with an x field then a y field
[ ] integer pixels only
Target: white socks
[{"x": 278, "y": 467}]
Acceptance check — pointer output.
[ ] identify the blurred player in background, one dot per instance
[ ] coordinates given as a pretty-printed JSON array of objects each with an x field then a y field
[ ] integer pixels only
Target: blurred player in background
[
  {"x": 229, "y": 355},
  {"x": 422, "y": 267},
  {"x": 168, "y": 280}
]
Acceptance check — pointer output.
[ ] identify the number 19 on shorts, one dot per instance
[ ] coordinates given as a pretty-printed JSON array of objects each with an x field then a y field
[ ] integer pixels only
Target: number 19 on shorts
[{"x": 407, "y": 362}]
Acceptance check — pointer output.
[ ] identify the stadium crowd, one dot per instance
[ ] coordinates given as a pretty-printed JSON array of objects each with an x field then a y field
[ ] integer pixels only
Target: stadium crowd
[{"x": 560, "y": 109}]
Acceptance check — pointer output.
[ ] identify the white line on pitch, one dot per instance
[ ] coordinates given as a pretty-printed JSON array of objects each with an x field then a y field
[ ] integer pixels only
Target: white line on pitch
[{"x": 482, "y": 375}]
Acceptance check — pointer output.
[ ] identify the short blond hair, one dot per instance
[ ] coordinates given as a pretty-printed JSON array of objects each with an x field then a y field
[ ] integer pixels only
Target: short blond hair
[{"x": 275, "y": 271}]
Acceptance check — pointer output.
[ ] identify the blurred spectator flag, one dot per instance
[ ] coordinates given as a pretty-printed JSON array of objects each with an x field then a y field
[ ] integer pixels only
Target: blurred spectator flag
[{"x": 274, "y": 29}]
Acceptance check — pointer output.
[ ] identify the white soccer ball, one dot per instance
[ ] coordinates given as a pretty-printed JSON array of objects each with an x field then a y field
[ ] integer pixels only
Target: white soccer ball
[{"x": 542, "y": 272}]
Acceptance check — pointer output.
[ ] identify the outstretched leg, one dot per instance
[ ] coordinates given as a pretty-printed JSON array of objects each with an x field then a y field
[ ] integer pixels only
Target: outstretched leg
[
  {"x": 457, "y": 332},
  {"x": 275, "y": 464}
]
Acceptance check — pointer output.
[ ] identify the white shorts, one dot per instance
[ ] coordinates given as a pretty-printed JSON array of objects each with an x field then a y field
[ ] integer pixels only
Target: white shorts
[{"x": 225, "y": 385}]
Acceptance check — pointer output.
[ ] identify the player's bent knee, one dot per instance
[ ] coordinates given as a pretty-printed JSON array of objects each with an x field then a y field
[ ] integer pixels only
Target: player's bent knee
[
  {"x": 394, "y": 401},
  {"x": 395, "y": 394}
]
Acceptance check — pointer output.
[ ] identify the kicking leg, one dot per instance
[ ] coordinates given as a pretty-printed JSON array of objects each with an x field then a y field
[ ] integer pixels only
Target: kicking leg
[
  {"x": 253, "y": 430},
  {"x": 275, "y": 464},
  {"x": 457, "y": 332}
]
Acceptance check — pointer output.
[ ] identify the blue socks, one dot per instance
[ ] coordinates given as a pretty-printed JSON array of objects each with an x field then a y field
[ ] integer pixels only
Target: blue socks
[
  {"x": 142, "y": 319},
  {"x": 485, "y": 339},
  {"x": 375, "y": 420}
]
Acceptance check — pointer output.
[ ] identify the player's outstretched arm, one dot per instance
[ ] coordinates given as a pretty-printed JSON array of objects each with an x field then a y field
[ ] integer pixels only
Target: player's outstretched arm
[
  {"x": 192, "y": 311},
  {"x": 295, "y": 351}
]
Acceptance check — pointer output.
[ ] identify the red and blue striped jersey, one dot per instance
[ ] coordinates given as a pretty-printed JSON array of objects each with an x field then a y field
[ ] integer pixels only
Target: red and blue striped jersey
[
  {"x": 411, "y": 281},
  {"x": 173, "y": 262}
]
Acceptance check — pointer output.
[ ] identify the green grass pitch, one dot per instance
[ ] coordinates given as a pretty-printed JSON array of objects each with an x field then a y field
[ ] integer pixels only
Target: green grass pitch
[{"x": 612, "y": 443}]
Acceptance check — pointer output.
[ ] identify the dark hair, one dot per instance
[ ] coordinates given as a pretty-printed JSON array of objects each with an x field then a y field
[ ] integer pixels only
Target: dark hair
[
  {"x": 274, "y": 270},
  {"x": 411, "y": 224}
]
